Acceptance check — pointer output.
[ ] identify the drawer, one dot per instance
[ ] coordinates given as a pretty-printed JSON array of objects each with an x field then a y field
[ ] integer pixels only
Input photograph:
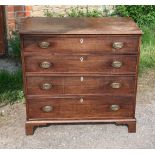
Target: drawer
[
  {"x": 81, "y": 108},
  {"x": 74, "y": 85},
  {"x": 56, "y": 63},
  {"x": 121, "y": 44}
]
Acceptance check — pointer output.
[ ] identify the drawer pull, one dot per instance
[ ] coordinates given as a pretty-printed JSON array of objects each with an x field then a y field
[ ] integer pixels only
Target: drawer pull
[
  {"x": 115, "y": 85},
  {"x": 118, "y": 45},
  {"x": 115, "y": 107},
  {"x": 46, "y": 86},
  {"x": 47, "y": 108},
  {"x": 116, "y": 64},
  {"x": 44, "y": 44},
  {"x": 45, "y": 64}
]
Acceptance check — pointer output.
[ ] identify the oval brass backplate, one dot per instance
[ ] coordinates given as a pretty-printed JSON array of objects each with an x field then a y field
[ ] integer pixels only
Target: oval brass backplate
[
  {"x": 45, "y": 64},
  {"x": 47, "y": 108},
  {"x": 118, "y": 45},
  {"x": 46, "y": 86},
  {"x": 116, "y": 64},
  {"x": 44, "y": 44},
  {"x": 115, "y": 107},
  {"x": 115, "y": 85}
]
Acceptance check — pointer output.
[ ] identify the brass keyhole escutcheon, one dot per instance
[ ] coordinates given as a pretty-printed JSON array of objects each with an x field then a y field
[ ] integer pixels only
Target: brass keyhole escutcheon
[
  {"x": 81, "y": 78},
  {"x": 81, "y": 100},
  {"x": 81, "y": 59},
  {"x": 81, "y": 40}
]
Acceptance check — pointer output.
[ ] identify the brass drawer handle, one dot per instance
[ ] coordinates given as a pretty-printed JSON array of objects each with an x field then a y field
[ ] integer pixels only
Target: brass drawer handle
[
  {"x": 44, "y": 44},
  {"x": 115, "y": 107},
  {"x": 45, "y": 64},
  {"x": 47, "y": 108},
  {"x": 46, "y": 86},
  {"x": 115, "y": 85},
  {"x": 116, "y": 64},
  {"x": 118, "y": 45}
]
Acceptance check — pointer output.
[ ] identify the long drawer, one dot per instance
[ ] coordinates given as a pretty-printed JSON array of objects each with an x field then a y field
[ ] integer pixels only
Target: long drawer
[
  {"x": 59, "y": 85},
  {"x": 113, "y": 43},
  {"x": 81, "y": 108},
  {"x": 58, "y": 63}
]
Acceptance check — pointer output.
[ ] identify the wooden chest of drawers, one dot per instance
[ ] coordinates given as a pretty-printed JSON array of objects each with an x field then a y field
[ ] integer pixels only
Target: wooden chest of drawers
[{"x": 80, "y": 70}]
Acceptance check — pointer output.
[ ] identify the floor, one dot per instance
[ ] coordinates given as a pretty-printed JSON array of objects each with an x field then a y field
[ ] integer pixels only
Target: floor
[{"x": 12, "y": 133}]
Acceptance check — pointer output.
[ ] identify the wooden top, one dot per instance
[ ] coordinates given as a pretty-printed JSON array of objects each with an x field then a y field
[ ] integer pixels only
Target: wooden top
[{"x": 70, "y": 25}]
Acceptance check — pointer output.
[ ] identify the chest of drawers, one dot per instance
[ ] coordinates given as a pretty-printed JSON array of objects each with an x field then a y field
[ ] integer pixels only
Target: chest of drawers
[{"x": 80, "y": 70}]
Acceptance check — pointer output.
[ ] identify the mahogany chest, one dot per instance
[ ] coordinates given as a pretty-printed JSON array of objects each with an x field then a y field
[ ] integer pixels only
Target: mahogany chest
[{"x": 80, "y": 70}]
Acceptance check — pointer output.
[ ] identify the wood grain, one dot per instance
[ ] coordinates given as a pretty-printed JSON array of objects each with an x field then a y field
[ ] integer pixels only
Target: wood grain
[
  {"x": 81, "y": 91},
  {"x": 72, "y": 108},
  {"x": 74, "y": 85},
  {"x": 130, "y": 122},
  {"x": 91, "y": 43},
  {"x": 70, "y": 25},
  {"x": 81, "y": 63}
]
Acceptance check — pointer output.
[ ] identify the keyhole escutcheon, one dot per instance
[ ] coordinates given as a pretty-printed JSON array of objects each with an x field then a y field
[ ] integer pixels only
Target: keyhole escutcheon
[
  {"x": 81, "y": 100},
  {"x": 81, "y": 59},
  {"x": 81, "y": 78},
  {"x": 81, "y": 40}
]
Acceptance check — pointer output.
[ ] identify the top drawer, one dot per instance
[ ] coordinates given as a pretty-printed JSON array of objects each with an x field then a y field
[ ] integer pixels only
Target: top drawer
[{"x": 83, "y": 43}]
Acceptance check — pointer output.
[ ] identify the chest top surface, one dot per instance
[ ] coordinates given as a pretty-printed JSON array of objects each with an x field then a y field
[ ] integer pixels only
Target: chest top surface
[{"x": 70, "y": 25}]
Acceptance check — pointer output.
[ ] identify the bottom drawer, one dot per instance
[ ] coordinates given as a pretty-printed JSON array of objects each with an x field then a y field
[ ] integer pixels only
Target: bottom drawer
[{"x": 80, "y": 108}]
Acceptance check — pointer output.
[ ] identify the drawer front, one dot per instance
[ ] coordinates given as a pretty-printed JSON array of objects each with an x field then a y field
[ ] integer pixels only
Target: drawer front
[
  {"x": 111, "y": 64},
  {"x": 121, "y": 44},
  {"x": 81, "y": 108},
  {"x": 80, "y": 85}
]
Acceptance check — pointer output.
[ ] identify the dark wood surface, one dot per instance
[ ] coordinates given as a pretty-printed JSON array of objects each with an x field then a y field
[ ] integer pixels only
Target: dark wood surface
[
  {"x": 92, "y": 44},
  {"x": 74, "y": 86},
  {"x": 2, "y": 31},
  {"x": 73, "y": 79},
  {"x": 30, "y": 125},
  {"x": 72, "y": 63},
  {"x": 105, "y": 25},
  {"x": 73, "y": 109}
]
